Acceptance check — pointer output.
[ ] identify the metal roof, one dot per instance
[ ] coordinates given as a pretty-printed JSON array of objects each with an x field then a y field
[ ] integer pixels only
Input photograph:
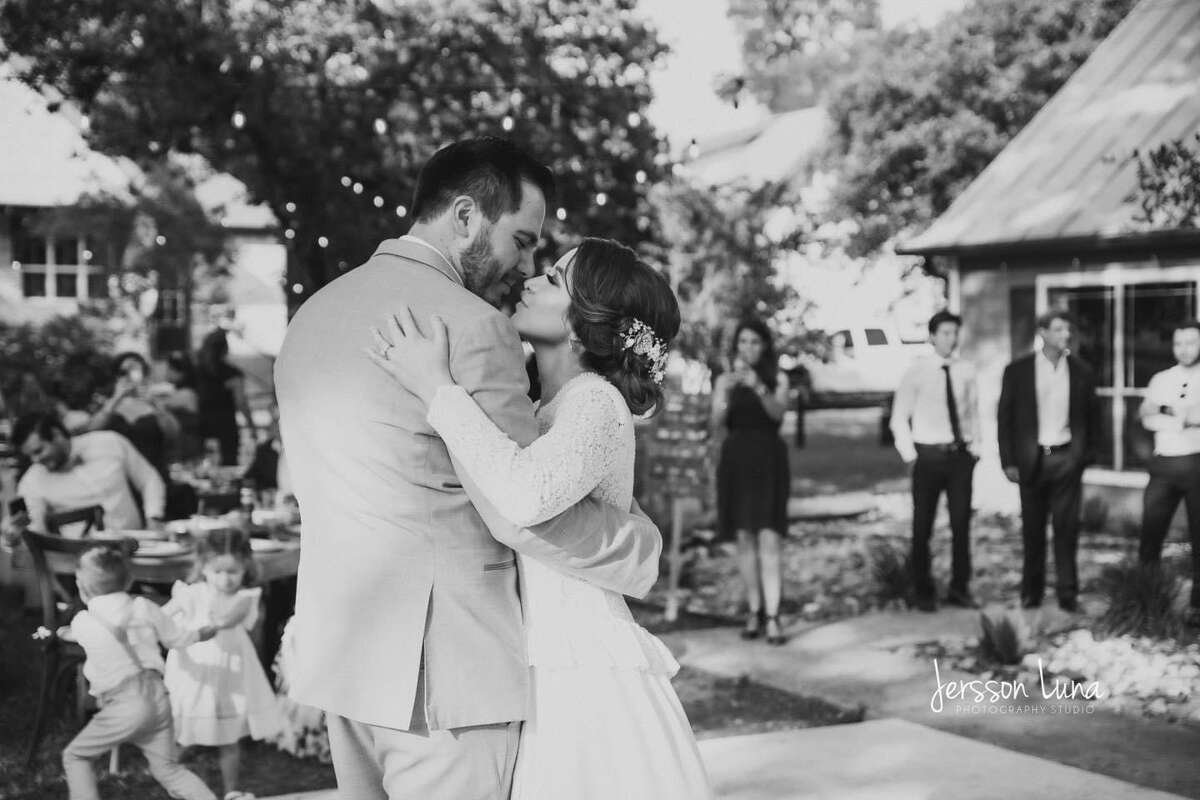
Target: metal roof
[{"x": 1068, "y": 174}]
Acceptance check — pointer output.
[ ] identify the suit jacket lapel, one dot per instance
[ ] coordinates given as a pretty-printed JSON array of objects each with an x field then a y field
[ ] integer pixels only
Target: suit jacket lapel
[{"x": 412, "y": 250}]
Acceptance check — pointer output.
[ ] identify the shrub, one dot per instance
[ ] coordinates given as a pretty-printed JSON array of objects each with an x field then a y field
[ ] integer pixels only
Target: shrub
[
  {"x": 1141, "y": 600},
  {"x": 1004, "y": 637},
  {"x": 890, "y": 574},
  {"x": 1094, "y": 514}
]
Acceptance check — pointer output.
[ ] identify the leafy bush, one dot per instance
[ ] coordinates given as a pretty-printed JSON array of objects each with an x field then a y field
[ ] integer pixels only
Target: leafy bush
[
  {"x": 1004, "y": 637},
  {"x": 891, "y": 575},
  {"x": 1141, "y": 600},
  {"x": 64, "y": 356}
]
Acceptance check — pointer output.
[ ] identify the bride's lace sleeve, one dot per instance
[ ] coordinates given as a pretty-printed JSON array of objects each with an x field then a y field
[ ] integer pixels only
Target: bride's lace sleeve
[{"x": 532, "y": 484}]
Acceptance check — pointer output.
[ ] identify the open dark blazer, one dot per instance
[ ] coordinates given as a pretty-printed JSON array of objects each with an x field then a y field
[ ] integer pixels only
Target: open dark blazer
[{"x": 1017, "y": 416}]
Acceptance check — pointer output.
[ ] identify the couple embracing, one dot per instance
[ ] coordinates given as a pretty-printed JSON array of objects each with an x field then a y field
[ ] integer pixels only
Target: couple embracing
[{"x": 459, "y": 613}]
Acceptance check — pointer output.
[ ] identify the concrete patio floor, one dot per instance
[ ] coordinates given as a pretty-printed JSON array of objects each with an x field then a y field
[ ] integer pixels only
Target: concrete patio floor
[{"x": 886, "y": 759}]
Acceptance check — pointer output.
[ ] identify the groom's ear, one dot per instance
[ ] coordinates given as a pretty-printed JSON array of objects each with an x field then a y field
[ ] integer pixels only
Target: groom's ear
[{"x": 463, "y": 211}]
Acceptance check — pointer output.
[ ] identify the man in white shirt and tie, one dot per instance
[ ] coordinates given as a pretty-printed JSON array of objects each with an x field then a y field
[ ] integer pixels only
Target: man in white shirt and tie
[
  {"x": 1171, "y": 409},
  {"x": 935, "y": 422}
]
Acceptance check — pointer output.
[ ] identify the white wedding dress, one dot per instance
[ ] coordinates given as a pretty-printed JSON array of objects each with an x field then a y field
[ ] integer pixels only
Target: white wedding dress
[{"x": 605, "y": 722}]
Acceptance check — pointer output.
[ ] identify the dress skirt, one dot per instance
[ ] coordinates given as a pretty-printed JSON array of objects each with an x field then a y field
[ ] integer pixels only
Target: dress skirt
[
  {"x": 753, "y": 482},
  {"x": 607, "y": 733}
]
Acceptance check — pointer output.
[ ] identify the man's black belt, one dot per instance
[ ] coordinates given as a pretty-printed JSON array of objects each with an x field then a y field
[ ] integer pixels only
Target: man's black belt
[{"x": 1053, "y": 448}]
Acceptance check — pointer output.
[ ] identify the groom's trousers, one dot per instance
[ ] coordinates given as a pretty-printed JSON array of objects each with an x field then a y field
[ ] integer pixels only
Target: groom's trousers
[{"x": 376, "y": 763}]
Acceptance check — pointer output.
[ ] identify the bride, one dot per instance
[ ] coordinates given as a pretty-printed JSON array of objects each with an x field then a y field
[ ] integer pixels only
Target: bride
[{"x": 605, "y": 721}]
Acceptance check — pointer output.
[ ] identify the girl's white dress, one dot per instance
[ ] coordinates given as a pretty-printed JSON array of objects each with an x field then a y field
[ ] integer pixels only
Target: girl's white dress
[
  {"x": 605, "y": 722},
  {"x": 219, "y": 691}
]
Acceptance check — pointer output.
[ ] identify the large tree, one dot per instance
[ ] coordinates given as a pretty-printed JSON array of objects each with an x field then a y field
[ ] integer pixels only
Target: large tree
[
  {"x": 326, "y": 109},
  {"x": 792, "y": 50},
  {"x": 925, "y": 110}
]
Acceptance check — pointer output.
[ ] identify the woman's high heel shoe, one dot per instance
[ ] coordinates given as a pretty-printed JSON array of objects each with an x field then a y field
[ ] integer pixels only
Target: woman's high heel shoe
[
  {"x": 775, "y": 631},
  {"x": 753, "y": 627}
]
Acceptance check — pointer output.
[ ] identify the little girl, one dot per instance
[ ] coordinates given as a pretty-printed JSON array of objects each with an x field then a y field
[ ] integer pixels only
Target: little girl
[{"x": 219, "y": 691}]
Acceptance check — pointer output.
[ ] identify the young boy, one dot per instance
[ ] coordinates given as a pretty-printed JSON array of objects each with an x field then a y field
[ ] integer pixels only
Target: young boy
[{"x": 121, "y": 634}]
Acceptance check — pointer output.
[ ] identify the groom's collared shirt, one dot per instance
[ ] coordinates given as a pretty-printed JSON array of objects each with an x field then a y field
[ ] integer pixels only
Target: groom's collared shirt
[{"x": 408, "y": 237}]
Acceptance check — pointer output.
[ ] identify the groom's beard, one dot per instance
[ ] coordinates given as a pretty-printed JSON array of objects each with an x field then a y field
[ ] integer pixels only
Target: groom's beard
[{"x": 483, "y": 275}]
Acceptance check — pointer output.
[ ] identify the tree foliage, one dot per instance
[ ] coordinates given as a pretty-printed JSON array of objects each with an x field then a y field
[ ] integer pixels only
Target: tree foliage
[
  {"x": 726, "y": 245},
  {"x": 925, "y": 110},
  {"x": 326, "y": 109},
  {"x": 793, "y": 49},
  {"x": 1168, "y": 192}
]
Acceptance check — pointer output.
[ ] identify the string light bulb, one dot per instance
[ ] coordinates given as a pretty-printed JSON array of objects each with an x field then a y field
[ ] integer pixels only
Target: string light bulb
[
  {"x": 380, "y": 126},
  {"x": 322, "y": 241},
  {"x": 378, "y": 201},
  {"x": 291, "y": 208},
  {"x": 561, "y": 214},
  {"x": 346, "y": 181},
  {"x": 601, "y": 198},
  {"x": 160, "y": 240},
  {"x": 238, "y": 120},
  {"x": 297, "y": 288},
  {"x": 640, "y": 176},
  {"x": 507, "y": 123},
  {"x": 289, "y": 234},
  {"x": 634, "y": 119},
  {"x": 358, "y": 188},
  {"x": 401, "y": 211}
]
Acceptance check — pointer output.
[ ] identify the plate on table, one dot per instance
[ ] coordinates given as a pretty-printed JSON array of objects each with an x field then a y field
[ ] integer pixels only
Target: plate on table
[
  {"x": 265, "y": 545},
  {"x": 141, "y": 536},
  {"x": 161, "y": 549}
]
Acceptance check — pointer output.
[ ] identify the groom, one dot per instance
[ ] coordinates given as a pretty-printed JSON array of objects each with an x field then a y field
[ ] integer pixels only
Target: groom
[{"x": 408, "y": 618}]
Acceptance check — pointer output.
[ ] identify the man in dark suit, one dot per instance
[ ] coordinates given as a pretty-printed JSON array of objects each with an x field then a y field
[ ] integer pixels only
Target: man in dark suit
[{"x": 1048, "y": 426}]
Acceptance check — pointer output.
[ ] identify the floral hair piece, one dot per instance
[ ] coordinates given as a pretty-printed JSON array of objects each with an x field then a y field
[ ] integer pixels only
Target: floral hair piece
[{"x": 644, "y": 342}]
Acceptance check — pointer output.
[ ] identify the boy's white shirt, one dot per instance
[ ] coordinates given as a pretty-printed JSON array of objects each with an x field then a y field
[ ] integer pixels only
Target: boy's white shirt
[{"x": 145, "y": 625}]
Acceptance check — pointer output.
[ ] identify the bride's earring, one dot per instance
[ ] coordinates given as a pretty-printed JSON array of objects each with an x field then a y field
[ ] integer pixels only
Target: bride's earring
[{"x": 575, "y": 343}]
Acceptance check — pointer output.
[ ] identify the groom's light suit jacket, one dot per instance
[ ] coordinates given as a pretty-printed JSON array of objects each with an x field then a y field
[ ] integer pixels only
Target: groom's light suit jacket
[{"x": 401, "y": 566}]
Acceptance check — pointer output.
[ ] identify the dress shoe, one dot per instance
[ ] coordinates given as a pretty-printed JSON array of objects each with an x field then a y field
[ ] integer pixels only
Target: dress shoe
[
  {"x": 961, "y": 600},
  {"x": 775, "y": 631},
  {"x": 1069, "y": 604},
  {"x": 753, "y": 627}
]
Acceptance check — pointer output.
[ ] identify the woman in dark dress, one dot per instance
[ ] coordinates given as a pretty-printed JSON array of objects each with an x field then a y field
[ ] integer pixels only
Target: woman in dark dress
[
  {"x": 753, "y": 477},
  {"x": 220, "y": 388}
]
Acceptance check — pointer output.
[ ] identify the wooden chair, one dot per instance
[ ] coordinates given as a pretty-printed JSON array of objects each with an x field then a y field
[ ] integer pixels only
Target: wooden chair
[
  {"x": 55, "y": 558},
  {"x": 92, "y": 516}
]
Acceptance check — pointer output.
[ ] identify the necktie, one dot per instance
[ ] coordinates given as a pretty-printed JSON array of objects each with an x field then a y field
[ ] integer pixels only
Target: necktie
[{"x": 952, "y": 407}]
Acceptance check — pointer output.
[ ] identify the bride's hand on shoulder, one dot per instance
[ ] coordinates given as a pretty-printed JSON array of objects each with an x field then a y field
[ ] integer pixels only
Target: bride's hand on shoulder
[{"x": 418, "y": 360}]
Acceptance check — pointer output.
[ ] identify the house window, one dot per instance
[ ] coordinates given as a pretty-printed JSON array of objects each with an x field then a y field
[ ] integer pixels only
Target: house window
[
  {"x": 1124, "y": 324},
  {"x": 56, "y": 267}
]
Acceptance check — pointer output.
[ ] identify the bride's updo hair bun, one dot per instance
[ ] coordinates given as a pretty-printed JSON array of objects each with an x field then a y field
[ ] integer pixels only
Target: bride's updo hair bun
[{"x": 612, "y": 290}]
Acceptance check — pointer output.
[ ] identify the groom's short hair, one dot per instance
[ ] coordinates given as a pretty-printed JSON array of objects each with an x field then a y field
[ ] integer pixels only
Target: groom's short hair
[{"x": 488, "y": 169}]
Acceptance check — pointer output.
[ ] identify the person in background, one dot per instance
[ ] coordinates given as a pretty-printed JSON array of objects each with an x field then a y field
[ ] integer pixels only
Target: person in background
[
  {"x": 179, "y": 396},
  {"x": 753, "y": 474},
  {"x": 219, "y": 691},
  {"x": 92, "y": 469},
  {"x": 121, "y": 635},
  {"x": 1048, "y": 425},
  {"x": 935, "y": 425},
  {"x": 221, "y": 390},
  {"x": 134, "y": 413},
  {"x": 1171, "y": 409}
]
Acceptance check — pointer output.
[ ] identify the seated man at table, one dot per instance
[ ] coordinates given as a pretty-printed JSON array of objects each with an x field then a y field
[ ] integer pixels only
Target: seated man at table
[{"x": 100, "y": 468}]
